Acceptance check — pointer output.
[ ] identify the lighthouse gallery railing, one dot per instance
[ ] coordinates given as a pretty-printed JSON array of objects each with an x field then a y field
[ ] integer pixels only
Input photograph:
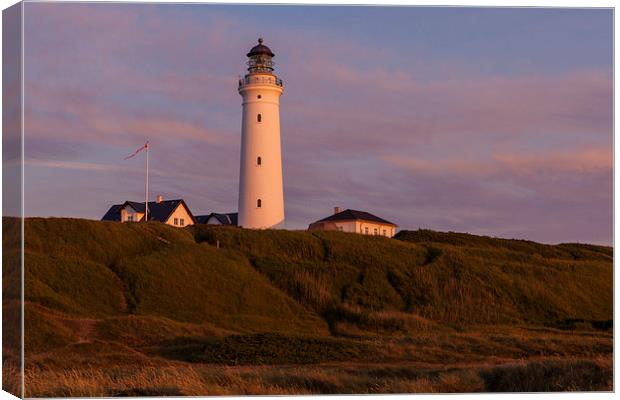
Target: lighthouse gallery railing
[{"x": 259, "y": 79}]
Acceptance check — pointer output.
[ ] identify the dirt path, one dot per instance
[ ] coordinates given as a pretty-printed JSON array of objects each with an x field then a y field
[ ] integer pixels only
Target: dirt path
[
  {"x": 123, "y": 306},
  {"x": 122, "y": 300},
  {"x": 85, "y": 330}
]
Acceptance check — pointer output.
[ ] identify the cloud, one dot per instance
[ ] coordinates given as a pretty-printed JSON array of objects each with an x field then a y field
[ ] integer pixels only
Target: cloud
[
  {"x": 78, "y": 115},
  {"x": 111, "y": 168},
  {"x": 409, "y": 112},
  {"x": 581, "y": 160},
  {"x": 588, "y": 160}
]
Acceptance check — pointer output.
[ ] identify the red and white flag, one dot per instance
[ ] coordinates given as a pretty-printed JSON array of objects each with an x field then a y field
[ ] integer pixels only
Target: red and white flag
[{"x": 146, "y": 146}]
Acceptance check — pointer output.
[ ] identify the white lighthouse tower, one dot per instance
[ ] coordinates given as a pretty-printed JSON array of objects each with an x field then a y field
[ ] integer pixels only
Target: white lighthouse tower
[{"x": 261, "y": 197}]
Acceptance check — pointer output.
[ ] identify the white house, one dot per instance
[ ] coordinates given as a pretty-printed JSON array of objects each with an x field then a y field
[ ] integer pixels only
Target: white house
[
  {"x": 170, "y": 212},
  {"x": 356, "y": 222}
]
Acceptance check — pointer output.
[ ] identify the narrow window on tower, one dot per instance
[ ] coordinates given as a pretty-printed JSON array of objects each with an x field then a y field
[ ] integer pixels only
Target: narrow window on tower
[
  {"x": 259, "y": 203},
  {"x": 259, "y": 118},
  {"x": 259, "y": 161},
  {"x": 259, "y": 96}
]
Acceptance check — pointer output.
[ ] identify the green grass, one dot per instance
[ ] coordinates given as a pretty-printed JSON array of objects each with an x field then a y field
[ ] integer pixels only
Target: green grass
[
  {"x": 73, "y": 285},
  {"x": 292, "y": 281},
  {"x": 198, "y": 283},
  {"x": 110, "y": 295},
  {"x": 565, "y": 250},
  {"x": 445, "y": 277}
]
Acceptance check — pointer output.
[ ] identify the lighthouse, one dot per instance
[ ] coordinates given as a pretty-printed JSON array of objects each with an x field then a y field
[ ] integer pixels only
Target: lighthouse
[{"x": 261, "y": 196}]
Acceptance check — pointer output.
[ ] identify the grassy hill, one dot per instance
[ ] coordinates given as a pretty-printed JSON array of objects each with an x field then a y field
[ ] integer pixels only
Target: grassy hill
[
  {"x": 446, "y": 278},
  {"x": 142, "y": 294}
]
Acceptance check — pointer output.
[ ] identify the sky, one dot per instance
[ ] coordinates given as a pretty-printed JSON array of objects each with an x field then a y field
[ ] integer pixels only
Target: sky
[{"x": 493, "y": 121}]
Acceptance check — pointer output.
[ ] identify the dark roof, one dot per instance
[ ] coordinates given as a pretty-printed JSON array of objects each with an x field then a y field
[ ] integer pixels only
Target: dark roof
[
  {"x": 113, "y": 214},
  {"x": 139, "y": 207},
  {"x": 349, "y": 215},
  {"x": 260, "y": 48},
  {"x": 157, "y": 211},
  {"x": 202, "y": 219},
  {"x": 224, "y": 219}
]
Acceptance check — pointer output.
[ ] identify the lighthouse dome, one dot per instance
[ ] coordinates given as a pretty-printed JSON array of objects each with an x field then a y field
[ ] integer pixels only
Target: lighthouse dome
[{"x": 260, "y": 49}]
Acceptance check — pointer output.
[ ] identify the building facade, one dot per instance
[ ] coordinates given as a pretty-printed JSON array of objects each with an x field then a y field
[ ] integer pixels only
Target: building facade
[
  {"x": 170, "y": 212},
  {"x": 261, "y": 194},
  {"x": 354, "y": 221}
]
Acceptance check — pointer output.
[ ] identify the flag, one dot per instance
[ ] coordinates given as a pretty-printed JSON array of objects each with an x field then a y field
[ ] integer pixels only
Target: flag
[{"x": 146, "y": 146}]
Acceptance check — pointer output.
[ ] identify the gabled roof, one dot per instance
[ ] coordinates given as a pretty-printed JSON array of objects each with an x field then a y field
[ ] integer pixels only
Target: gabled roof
[
  {"x": 353, "y": 215},
  {"x": 113, "y": 214},
  {"x": 157, "y": 211},
  {"x": 139, "y": 207},
  {"x": 224, "y": 219},
  {"x": 202, "y": 219},
  {"x": 161, "y": 211}
]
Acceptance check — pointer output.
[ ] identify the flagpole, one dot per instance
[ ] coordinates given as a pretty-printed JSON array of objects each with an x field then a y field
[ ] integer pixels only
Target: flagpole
[{"x": 146, "y": 194}]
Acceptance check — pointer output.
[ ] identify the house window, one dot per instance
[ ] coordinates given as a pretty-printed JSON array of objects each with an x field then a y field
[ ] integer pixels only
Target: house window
[
  {"x": 366, "y": 230},
  {"x": 130, "y": 218},
  {"x": 259, "y": 118},
  {"x": 384, "y": 232},
  {"x": 258, "y": 161},
  {"x": 259, "y": 203},
  {"x": 176, "y": 221},
  {"x": 182, "y": 222},
  {"x": 375, "y": 231}
]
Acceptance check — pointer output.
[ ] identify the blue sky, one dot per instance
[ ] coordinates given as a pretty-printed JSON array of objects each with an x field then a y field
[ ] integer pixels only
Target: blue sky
[{"x": 494, "y": 121}]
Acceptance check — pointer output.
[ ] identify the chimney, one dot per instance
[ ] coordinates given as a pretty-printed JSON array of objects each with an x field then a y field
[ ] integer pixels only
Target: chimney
[
  {"x": 160, "y": 198},
  {"x": 336, "y": 210}
]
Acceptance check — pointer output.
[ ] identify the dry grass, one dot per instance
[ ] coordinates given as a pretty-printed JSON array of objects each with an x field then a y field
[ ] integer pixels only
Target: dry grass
[
  {"x": 429, "y": 359},
  {"x": 11, "y": 377},
  {"x": 346, "y": 378},
  {"x": 181, "y": 380}
]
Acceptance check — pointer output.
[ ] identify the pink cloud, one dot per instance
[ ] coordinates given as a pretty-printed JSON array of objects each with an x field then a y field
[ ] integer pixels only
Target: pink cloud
[
  {"x": 79, "y": 115},
  {"x": 586, "y": 160},
  {"x": 571, "y": 102}
]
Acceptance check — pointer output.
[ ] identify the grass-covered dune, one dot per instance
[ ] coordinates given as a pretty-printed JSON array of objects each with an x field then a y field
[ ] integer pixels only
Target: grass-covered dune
[
  {"x": 107, "y": 295},
  {"x": 445, "y": 278}
]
